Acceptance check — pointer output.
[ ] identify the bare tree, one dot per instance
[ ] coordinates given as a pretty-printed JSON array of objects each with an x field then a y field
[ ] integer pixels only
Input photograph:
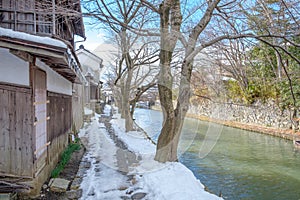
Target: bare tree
[
  {"x": 193, "y": 27},
  {"x": 220, "y": 20},
  {"x": 134, "y": 49}
]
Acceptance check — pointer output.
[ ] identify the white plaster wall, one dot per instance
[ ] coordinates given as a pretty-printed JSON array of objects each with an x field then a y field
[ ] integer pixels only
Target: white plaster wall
[
  {"x": 88, "y": 61},
  {"x": 55, "y": 82},
  {"x": 89, "y": 65},
  {"x": 13, "y": 69}
]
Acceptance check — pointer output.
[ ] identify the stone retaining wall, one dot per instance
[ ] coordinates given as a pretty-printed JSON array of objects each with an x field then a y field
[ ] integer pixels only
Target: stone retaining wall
[{"x": 265, "y": 114}]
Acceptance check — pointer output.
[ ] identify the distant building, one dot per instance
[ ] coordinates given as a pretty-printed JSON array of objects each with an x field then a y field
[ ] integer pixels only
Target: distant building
[
  {"x": 38, "y": 66},
  {"x": 110, "y": 55},
  {"x": 92, "y": 68}
]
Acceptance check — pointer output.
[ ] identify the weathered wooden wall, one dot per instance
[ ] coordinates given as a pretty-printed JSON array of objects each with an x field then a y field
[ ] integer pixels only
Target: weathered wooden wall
[
  {"x": 77, "y": 106},
  {"x": 18, "y": 14},
  {"x": 16, "y": 133},
  {"x": 35, "y": 16},
  {"x": 93, "y": 92},
  {"x": 60, "y": 112}
]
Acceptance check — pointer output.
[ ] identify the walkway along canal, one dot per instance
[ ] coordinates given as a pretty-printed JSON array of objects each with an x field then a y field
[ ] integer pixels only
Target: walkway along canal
[{"x": 241, "y": 164}]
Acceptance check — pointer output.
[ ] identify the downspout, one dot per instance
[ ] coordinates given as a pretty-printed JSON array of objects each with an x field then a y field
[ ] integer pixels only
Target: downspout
[
  {"x": 84, "y": 39},
  {"x": 82, "y": 76}
]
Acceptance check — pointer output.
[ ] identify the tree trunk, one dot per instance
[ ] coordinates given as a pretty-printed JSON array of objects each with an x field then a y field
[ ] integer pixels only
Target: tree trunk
[
  {"x": 118, "y": 100},
  {"x": 125, "y": 112},
  {"x": 128, "y": 121},
  {"x": 123, "y": 99},
  {"x": 170, "y": 134},
  {"x": 133, "y": 105},
  {"x": 170, "y": 23},
  {"x": 165, "y": 148},
  {"x": 128, "y": 117},
  {"x": 279, "y": 65}
]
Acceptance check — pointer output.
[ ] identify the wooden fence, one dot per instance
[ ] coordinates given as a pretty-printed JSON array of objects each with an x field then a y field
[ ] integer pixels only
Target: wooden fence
[
  {"x": 60, "y": 113},
  {"x": 16, "y": 131}
]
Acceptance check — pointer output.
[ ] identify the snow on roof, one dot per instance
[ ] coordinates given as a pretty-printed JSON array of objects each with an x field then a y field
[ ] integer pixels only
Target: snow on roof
[
  {"x": 33, "y": 38},
  {"x": 88, "y": 53}
]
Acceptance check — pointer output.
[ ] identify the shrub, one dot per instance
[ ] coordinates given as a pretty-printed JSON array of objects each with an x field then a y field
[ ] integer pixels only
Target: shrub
[{"x": 65, "y": 157}]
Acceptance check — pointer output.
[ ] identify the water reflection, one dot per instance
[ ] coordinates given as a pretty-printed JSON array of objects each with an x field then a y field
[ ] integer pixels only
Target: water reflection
[{"x": 242, "y": 164}]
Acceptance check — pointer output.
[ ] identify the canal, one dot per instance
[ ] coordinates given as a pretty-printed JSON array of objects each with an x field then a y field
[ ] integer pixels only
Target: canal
[{"x": 238, "y": 164}]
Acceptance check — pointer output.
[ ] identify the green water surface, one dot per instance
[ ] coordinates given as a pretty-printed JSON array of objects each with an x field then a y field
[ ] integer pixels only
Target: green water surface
[{"x": 240, "y": 164}]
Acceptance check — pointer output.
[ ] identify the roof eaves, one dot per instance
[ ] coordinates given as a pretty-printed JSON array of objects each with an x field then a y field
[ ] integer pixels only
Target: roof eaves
[{"x": 60, "y": 59}]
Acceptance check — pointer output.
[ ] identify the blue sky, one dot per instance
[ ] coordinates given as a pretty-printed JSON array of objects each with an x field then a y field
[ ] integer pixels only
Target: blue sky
[{"x": 94, "y": 37}]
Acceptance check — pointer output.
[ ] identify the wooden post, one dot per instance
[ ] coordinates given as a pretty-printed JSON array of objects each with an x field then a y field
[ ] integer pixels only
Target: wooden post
[
  {"x": 15, "y": 16},
  {"x": 34, "y": 21},
  {"x": 53, "y": 17}
]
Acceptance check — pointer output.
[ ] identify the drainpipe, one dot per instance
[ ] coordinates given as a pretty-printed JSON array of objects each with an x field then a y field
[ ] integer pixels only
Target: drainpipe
[{"x": 84, "y": 39}]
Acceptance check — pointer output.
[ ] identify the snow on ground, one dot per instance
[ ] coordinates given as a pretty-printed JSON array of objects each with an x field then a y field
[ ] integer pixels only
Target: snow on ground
[
  {"x": 107, "y": 110},
  {"x": 87, "y": 111},
  {"x": 160, "y": 181},
  {"x": 102, "y": 180},
  {"x": 173, "y": 181},
  {"x": 135, "y": 140}
]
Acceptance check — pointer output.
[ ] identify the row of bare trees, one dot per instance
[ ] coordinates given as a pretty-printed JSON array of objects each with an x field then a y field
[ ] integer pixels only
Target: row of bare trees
[{"x": 150, "y": 33}]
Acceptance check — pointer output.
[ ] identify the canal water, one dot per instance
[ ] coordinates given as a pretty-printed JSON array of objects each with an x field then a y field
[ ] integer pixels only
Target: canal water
[{"x": 238, "y": 164}]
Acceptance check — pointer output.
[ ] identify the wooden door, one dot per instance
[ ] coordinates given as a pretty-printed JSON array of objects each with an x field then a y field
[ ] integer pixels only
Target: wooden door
[{"x": 40, "y": 108}]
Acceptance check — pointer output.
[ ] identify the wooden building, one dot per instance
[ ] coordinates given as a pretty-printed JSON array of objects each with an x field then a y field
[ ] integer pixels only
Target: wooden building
[
  {"x": 38, "y": 66},
  {"x": 92, "y": 69}
]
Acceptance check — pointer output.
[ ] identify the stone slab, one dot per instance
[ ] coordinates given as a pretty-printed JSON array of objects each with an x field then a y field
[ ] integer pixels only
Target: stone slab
[
  {"x": 59, "y": 185},
  {"x": 74, "y": 194}
]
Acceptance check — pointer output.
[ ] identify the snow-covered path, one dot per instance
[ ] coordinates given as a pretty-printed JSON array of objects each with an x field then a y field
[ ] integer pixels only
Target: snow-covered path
[
  {"x": 118, "y": 173},
  {"x": 99, "y": 150},
  {"x": 104, "y": 179}
]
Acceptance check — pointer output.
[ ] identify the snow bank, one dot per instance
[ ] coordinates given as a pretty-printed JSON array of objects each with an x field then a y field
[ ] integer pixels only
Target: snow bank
[
  {"x": 173, "y": 181},
  {"x": 160, "y": 180},
  {"x": 135, "y": 140}
]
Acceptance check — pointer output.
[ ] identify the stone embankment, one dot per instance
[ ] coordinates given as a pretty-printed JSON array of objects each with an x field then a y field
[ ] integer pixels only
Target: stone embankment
[{"x": 260, "y": 117}]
